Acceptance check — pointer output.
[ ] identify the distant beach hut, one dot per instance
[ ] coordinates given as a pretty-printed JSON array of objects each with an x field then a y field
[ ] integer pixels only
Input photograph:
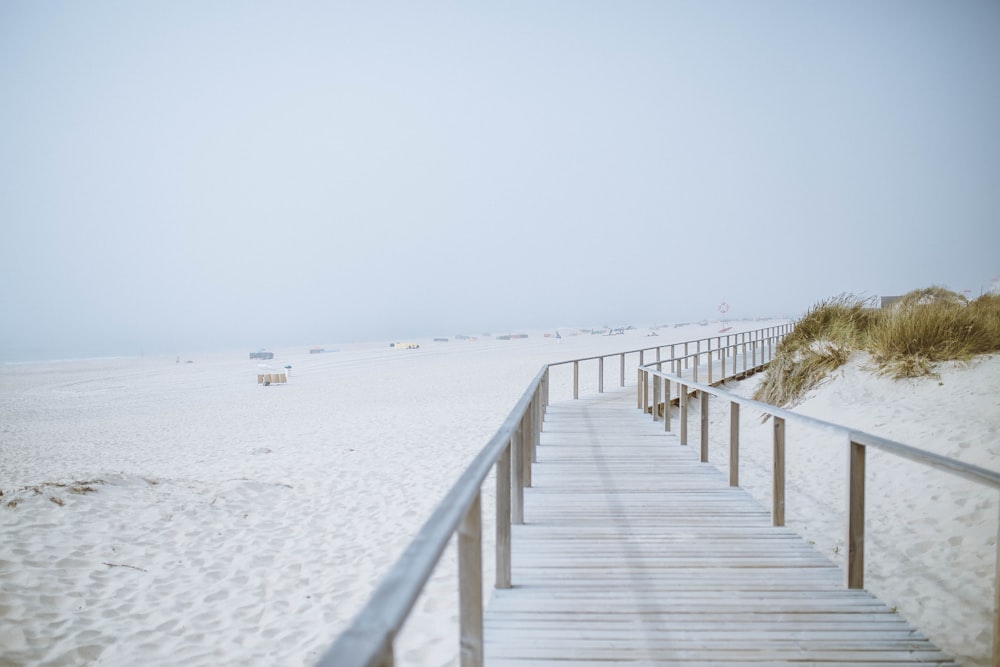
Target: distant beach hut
[{"x": 267, "y": 379}]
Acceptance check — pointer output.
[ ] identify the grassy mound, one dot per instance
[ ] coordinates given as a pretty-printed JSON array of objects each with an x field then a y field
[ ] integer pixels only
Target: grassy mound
[{"x": 905, "y": 339}]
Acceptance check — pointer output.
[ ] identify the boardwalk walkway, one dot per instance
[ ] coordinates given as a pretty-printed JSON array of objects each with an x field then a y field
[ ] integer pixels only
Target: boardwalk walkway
[{"x": 634, "y": 552}]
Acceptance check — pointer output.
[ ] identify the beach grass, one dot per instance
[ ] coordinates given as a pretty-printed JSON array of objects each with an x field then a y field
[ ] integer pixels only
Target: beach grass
[{"x": 904, "y": 339}]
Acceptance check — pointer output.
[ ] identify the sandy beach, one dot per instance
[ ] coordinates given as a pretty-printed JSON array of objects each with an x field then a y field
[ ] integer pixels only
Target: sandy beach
[{"x": 168, "y": 511}]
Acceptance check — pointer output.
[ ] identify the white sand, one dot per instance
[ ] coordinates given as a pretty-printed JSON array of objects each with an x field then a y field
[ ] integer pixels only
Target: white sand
[{"x": 237, "y": 524}]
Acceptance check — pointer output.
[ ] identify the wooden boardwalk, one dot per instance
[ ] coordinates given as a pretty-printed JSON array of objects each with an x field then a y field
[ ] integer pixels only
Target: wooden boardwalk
[{"x": 633, "y": 551}]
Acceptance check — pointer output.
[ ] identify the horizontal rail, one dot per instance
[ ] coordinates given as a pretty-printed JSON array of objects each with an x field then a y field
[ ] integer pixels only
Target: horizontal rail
[
  {"x": 702, "y": 346},
  {"x": 367, "y": 641},
  {"x": 858, "y": 442},
  {"x": 961, "y": 468}
]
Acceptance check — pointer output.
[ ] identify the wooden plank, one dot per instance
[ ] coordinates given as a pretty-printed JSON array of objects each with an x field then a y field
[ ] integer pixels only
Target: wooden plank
[{"x": 633, "y": 551}]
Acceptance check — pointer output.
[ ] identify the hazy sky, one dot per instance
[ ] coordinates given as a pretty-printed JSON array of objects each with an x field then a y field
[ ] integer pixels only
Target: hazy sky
[{"x": 203, "y": 175}]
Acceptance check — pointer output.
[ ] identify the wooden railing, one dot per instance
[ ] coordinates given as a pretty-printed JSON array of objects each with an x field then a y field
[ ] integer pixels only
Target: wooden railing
[
  {"x": 368, "y": 639},
  {"x": 857, "y": 442},
  {"x": 758, "y": 343}
]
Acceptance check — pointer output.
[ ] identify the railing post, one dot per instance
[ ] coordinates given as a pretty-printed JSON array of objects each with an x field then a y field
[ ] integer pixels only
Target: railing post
[
  {"x": 533, "y": 419},
  {"x": 710, "y": 367},
  {"x": 517, "y": 485},
  {"x": 600, "y": 375},
  {"x": 503, "y": 520},
  {"x": 704, "y": 424},
  {"x": 666, "y": 404},
  {"x": 645, "y": 390},
  {"x": 545, "y": 391},
  {"x": 684, "y": 413},
  {"x": 622, "y": 369},
  {"x": 576, "y": 379},
  {"x": 854, "y": 573},
  {"x": 687, "y": 359},
  {"x": 470, "y": 586},
  {"x": 734, "y": 444},
  {"x": 638, "y": 390},
  {"x": 525, "y": 432},
  {"x": 778, "y": 475},
  {"x": 656, "y": 397}
]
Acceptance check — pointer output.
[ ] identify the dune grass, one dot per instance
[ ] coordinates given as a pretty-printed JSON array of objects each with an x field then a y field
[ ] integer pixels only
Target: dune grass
[{"x": 906, "y": 339}]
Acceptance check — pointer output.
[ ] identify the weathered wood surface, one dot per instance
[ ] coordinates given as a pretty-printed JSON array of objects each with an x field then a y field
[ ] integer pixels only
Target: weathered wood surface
[{"x": 633, "y": 551}]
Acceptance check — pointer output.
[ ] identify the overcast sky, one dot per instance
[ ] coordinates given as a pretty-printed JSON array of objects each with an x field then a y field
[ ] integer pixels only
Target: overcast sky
[{"x": 216, "y": 175}]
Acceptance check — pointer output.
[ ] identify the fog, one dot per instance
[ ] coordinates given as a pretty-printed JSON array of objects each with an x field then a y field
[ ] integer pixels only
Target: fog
[{"x": 182, "y": 176}]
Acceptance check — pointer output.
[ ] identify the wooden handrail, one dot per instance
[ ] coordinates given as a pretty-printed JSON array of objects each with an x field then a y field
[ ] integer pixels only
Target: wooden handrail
[
  {"x": 368, "y": 639},
  {"x": 857, "y": 442},
  {"x": 735, "y": 341}
]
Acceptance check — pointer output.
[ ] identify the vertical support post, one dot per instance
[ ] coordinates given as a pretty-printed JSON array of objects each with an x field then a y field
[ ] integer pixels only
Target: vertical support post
[
  {"x": 517, "y": 483},
  {"x": 638, "y": 389},
  {"x": 622, "y": 369},
  {"x": 684, "y": 413},
  {"x": 525, "y": 431},
  {"x": 734, "y": 444},
  {"x": 666, "y": 404},
  {"x": 576, "y": 379},
  {"x": 687, "y": 360},
  {"x": 778, "y": 476},
  {"x": 503, "y": 520},
  {"x": 656, "y": 397},
  {"x": 386, "y": 657},
  {"x": 600, "y": 375},
  {"x": 470, "y": 586},
  {"x": 534, "y": 419},
  {"x": 710, "y": 367},
  {"x": 645, "y": 390},
  {"x": 704, "y": 424},
  {"x": 854, "y": 573},
  {"x": 744, "y": 356},
  {"x": 545, "y": 392},
  {"x": 642, "y": 357}
]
